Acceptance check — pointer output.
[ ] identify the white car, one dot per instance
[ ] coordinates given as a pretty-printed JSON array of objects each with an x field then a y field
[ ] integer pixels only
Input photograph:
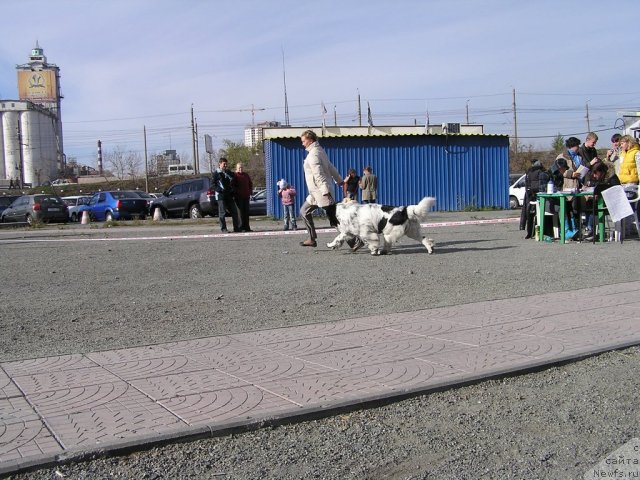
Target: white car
[
  {"x": 516, "y": 193},
  {"x": 74, "y": 203}
]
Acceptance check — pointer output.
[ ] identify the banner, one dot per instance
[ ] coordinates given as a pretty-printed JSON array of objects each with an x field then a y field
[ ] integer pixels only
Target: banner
[{"x": 37, "y": 86}]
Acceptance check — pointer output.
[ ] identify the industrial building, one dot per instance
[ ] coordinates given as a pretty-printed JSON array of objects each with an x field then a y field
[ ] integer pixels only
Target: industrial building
[
  {"x": 466, "y": 169},
  {"x": 31, "y": 146}
]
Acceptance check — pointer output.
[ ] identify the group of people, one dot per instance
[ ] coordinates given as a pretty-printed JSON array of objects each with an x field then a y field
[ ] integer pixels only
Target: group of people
[
  {"x": 578, "y": 168},
  {"x": 233, "y": 192}
]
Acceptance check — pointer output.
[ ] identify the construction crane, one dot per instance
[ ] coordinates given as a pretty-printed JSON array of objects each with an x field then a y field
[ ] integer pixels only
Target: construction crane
[{"x": 253, "y": 111}]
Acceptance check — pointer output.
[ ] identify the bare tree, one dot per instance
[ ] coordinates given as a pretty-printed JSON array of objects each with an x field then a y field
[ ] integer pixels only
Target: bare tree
[
  {"x": 133, "y": 162},
  {"x": 123, "y": 162},
  {"x": 115, "y": 159}
]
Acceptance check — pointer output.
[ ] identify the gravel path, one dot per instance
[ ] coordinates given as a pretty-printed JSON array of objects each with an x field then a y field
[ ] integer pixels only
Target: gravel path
[{"x": 555, "y": 423}]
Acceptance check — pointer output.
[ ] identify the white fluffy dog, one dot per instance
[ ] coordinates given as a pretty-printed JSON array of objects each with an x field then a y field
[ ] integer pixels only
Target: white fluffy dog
[{"x": 371, "y": 221}]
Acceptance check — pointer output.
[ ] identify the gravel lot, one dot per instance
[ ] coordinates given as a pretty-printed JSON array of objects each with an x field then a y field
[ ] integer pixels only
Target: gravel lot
[{"x": 69, "y": 296}]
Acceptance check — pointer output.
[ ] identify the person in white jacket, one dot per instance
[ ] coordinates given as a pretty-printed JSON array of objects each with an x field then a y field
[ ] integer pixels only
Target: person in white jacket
[{"x": 320, "y": 175}]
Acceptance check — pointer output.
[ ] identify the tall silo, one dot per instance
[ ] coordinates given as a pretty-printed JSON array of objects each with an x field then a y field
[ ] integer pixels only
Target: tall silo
[{"x": 12, "y": 152}]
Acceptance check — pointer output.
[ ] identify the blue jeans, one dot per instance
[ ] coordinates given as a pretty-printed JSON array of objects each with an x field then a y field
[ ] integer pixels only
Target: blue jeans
[
  {"x": 289, "y": 218},
  {"x": 224, "y": 204}
]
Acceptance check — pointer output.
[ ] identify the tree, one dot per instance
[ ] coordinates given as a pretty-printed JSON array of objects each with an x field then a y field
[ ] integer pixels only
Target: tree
[
  {"x": 558, "y": 143},
  {"x": 252, "y": 158},
  {"x": 122, "y": 162}
]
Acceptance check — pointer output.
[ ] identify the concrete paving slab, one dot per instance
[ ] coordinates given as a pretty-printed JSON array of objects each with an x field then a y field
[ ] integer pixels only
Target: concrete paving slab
[{"x": 54, "y": 408}]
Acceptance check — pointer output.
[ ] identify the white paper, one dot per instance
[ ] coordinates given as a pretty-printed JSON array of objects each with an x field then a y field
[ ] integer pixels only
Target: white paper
[
  {"x": 582, "y": 170},
  {"x": 617, "y": 203}
]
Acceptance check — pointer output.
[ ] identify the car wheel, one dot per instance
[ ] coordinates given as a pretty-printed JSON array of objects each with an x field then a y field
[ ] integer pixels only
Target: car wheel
[
  {"x": 74, "y": 217},
  {"x": 108, "y": 217},
  {"x": 513, "y": 202},
  {"x": 194, "y": 211},
  {"x": 29, "y": 219}
]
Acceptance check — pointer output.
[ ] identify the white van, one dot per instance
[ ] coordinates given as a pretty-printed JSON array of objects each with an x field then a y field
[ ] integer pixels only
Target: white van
[
  {"x": 516, "y": 193},
  {"x": 181, "y": 169}
]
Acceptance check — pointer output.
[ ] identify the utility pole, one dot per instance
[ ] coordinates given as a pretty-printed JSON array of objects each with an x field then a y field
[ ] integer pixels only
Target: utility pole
[
  {"x": 587, "y": 117},
  {"x": 335, "y": 117},
  {"x": 196, "y": 162},
  {"x": 146, "y": 164},
  {"x": 467, "y": 112},
  {"x": 193, "y": 138},
  {"x": 286, "y": 102},
  {"x": 515, "y": 127},
  {"x": 359, "y": 110}
]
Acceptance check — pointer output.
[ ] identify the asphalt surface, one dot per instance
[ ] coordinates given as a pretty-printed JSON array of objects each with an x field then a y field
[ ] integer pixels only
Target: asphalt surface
[{"x": 77, "y": 289}]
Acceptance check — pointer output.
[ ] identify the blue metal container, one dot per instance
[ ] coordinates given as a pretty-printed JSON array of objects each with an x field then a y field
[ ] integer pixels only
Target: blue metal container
[{"x": 462, "y": 171}]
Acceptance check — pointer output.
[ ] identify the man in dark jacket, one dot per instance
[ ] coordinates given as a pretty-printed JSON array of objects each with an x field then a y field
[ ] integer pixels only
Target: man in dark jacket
[
  {"x": 535, "y": 181},
  {"x": 223, "y": 180}
]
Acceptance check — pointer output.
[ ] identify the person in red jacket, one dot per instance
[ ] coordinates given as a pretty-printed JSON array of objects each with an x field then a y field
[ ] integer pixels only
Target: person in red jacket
[{"x": 243, "y": 187}]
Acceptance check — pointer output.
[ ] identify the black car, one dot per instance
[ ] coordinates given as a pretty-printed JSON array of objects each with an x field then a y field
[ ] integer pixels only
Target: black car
[
  {"x": 36, "y": 208},
  {"x": 258, "y": 203},
  {"x": 193, "y": 198}
]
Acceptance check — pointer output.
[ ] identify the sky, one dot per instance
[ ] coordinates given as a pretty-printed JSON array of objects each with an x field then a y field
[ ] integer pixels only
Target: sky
[{"x": 129, "y": 65}]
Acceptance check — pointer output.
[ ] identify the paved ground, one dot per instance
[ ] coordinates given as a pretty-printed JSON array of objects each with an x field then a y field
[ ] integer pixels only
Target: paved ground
[{"x": 60, "y": 407}]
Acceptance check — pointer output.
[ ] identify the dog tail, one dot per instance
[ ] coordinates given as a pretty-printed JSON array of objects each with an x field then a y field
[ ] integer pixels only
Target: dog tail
[{"x": 421, "y": 209}]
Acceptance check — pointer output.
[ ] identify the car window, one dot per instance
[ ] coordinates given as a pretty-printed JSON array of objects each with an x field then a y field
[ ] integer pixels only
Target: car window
[
  {"x": 121, "y": 195},
  {"x": 6, "y": 201},
  {"x": 102, "y": 197},
  {"x": 48, "y": 200},
  {"x": 93, "y": 200},
  {"x": 260, "y": 195},
  {"x": 70, "y": 202},
  {"x": 175, "y": 190},
  {"x": 196, "y": 186},
  {"x": 520, "y": 183}
]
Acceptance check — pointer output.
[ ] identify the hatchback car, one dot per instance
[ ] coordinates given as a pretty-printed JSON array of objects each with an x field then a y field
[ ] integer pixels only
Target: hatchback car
[
  {"x": 516, "y": 192},
  {"x": 74, "y": 203},
  {"x": 118, "y": 205},
  {"x": 36, "y": 208}
]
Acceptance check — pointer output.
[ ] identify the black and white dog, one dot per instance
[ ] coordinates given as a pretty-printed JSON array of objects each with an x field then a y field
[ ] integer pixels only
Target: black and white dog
[{"x": 371, "y": 221}]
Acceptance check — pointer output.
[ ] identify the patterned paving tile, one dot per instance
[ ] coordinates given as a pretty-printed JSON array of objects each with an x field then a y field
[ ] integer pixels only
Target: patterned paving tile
[
  {"x": 130, "y": 415},
  {"x": 7, "y": 387},
  {"x": 183, "y": 384},
  {"x": 412, "y": 347},
  {"x": 476, "y": 360},
  {"x": 348, "y": 359},
  {"x": 47, "y": 364},
  {"x": 201, "y": 345},
  {"x": 76, "y": 399},
  {"x": 16, "y": 410},
  {"x": 326, "y": 389},
  {"x": 226, "y": 357},
  {"x": 405, "y": 374},
  {"x": 429, "y": 326},
  {"x": 480, "y": 337},
  {"x": 154, "y": 367},
  {"x": 236, "y": 404},
  {"x": 128, "y": 355},
  {"x": 26, "y": 440},
  {"x": 300, "y": 332},
  {"x": 308, "y": 346},
  {"x": 61, "y": 379},
  {"x": 286, "y": 367}
]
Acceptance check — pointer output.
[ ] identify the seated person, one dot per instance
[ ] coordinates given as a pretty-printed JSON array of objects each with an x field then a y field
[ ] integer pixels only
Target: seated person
[{"x": 597, "y": 180}]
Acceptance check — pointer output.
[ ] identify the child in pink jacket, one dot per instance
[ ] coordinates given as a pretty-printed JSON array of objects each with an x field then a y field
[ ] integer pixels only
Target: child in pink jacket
[{"x": 288, "y": 194}]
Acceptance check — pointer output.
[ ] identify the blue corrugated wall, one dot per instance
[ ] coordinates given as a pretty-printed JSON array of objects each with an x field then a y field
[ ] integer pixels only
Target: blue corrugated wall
[{"x": 461, "y": 171}]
